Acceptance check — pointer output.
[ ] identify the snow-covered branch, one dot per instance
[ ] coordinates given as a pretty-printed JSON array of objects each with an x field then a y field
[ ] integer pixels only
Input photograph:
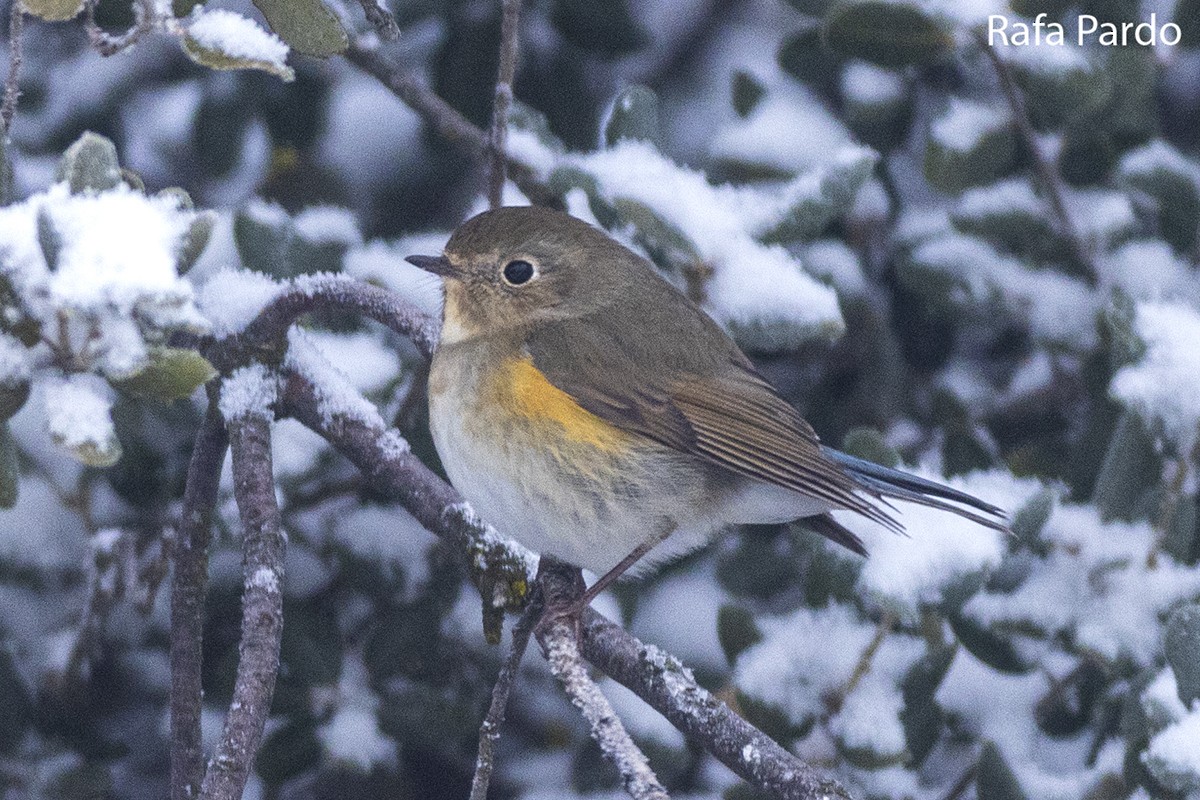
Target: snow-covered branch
[
  {"x": 189, "y": 583},
  {"x": 246, "y": 399}
]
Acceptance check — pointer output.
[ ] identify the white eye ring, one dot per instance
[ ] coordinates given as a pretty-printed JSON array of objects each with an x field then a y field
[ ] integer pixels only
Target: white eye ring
[{"x": 518, "y": 271}]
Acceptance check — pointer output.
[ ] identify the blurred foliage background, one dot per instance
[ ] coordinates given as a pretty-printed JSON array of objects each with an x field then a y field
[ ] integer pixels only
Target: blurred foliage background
[{"x": 981, "y": 262}]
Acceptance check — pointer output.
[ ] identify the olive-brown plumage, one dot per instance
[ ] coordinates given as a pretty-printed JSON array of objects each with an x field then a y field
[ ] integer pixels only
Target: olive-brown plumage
[{"x": 590, "y": 410}]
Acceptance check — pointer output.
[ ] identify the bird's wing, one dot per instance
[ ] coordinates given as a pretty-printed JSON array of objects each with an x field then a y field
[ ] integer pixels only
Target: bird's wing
[{"x": 699, "y": 396}]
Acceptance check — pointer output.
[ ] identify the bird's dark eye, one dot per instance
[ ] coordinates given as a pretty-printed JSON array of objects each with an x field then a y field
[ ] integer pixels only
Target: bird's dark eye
[{"x": 518, "y": 272}]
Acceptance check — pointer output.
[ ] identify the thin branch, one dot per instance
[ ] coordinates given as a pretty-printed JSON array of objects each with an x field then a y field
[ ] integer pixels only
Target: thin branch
[
  {"x": 16, "y": 56},
  {"x": 510, "y": 18},
  {"x": 145, "y": 15},
  {"x": 654, "y": 676},
  {"x": 263, "y": 546},
  {"x": 323, "y": 293},
  {"x": 562, "y": 587},
  {"x": 671, "y": 689},
  {"x": 444, "y": 118},
  {"x": 381, "y": 19},
  {"x": 1047, "y": 170},
  {"x": 489, "y": 731},
  {"x": 189, "y": 585}
]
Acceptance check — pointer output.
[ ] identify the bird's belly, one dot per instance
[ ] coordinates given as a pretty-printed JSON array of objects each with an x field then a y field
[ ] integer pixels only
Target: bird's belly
[{"x": 587, "y": 500}]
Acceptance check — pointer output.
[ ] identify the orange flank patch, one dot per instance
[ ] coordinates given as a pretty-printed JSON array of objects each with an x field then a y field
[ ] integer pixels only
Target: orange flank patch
[{"x": 533, "y": 396}]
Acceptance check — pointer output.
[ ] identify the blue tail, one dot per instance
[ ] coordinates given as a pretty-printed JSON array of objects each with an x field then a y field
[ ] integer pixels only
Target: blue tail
[{"x": 896, "y": 485}]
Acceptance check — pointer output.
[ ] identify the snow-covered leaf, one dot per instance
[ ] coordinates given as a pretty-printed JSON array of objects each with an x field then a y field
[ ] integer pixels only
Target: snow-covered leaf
[
  {"x": 79, "y": 418},
  {"x": 90, "y": 163},
  {"x": 633, "y": 115},
  {"x": 968, "y": 145},
  {"x": 1182, "y": 645},
  {"x": 221, "y": 39}
]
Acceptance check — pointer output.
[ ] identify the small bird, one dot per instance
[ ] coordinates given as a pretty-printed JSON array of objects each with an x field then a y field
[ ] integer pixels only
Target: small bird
[{"x": 588, "y": 409}]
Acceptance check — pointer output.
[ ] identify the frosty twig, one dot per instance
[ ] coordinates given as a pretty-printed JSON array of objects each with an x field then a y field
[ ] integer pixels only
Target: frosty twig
[
  {"x": 12, "y": 88},
  {"x": 188, "y": 589},
  {"x": 562, "y": 587},
  {"x": 262, "y": 596},
  {"x": 489, "y": 731},
  {"x": 380, "y": 18},
  {"x": 498, "y": 136},
  {"x": 145, "y": 15},
  {"x": 1047, "y": 171}
]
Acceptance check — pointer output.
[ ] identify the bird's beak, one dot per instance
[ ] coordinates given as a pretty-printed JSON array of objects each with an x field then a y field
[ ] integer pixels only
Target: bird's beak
[{"x": 438, "y": 265}]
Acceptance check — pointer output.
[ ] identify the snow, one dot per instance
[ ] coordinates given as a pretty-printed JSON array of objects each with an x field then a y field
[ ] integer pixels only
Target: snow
[
  {"x": 232, "y": 298},
  {"x": 237, "y": 37},
  {"x": 832, "y": 260},
  {"x": 78, "y": 413},
  {"x": 383, "y": 263},
  {"x": 328, "y": 225},
  {"x": 760, "y": 291},
  {"x": 866, "y": 84},
  {"x": 1057, "y": 308},
  {"x": 249, "y": 392},
  {"x": 789, "y": 130},
  {"x": 336, "y": 394},
  {"x": 1164, "y": 385},
  {"x": 1173, "y": 757},
  {"x": 680, "y": 615},
  {"x": 1160, "y": 700},
  {"x": 1001, "y": 198},
  {"x": 366, "y": 362},
  {"x": 266, "y": 579},
  {"x": 809, "y": 653},
  {"x": 1155, "y": 156},
  {"x": 905, "y": 573},
  {"x": 964, "y": 124},
  {"x": 1094, "y": 587},
  {"x": 388, "y": 537}
]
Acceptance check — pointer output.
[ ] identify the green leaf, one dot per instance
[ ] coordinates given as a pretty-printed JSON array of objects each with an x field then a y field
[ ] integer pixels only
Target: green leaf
[
  {"x": 805, "y": 56},
  {"x": 868, "y": 443},
  {"x": 994, "y": 779},
  {"x": 603, "y": 26},
  {"x": 1168, "y": 178},
  {"x": 669, "y": 247},
  {"x": 1031, "y": 518},
  {"x": 10, "y": 471},
  {"x": 1182, "y": 646},
  {"x": 288, "y": 751},
  {"x": 887, "y": 33},
  {"x": 746, "y": 91},
  {"x": 12, "y": 397},
  {"x": 195, "y": 240},
  {"x": 172, "y": 374},
  {"x": 53, "y": 10},
  {"x": 634, "y": 115},
  {"x": 736, "y": 631},
  {"x": 90, "y": 164},
  {"x": 968, "y": 145},
  {"x": 1056, "y": 95},
  {"x": 921, "y": 716},
  {"x": 308, "y": 26},
  {"x": 1130, "y": 472},
  {"x": 997, "y": 651},
  {"x": 811, "y": 212},
  {"x": 879, "y": 118}
]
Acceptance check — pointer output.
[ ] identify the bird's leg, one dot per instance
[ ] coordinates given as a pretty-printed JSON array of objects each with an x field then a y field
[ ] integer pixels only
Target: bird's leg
[{"x": 620, "y": 569}]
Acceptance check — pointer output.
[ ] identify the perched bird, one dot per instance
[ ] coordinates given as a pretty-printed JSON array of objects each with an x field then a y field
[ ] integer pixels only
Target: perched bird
[{"x": 591, "y": 411}]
